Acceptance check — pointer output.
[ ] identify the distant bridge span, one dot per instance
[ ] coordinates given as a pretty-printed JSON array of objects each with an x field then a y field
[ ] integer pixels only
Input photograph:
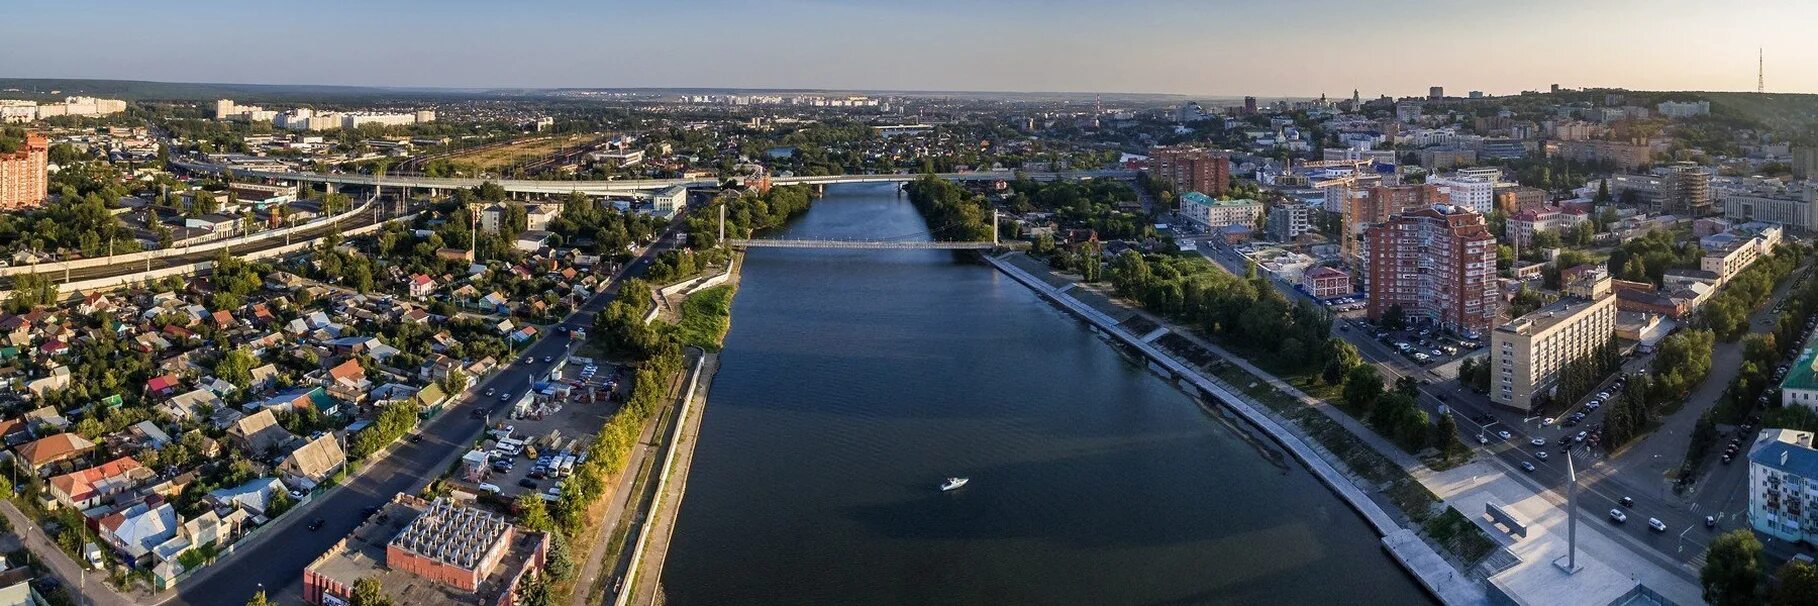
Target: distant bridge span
[
  {"x": 865, "y": 245},
  {"x": 619, "y": 187}
]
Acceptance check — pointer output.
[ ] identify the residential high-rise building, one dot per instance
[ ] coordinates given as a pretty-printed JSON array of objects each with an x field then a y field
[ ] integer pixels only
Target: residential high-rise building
[
  {"x": 22, "y": 174},
  {"x": 1192, "y": 169},
  {"x": 1437, "y": 263},
  {"x": 1687, "y": 191},
  {"x": 1805, "y": 161},
  {"x": 1436, "y": 93},
  {"x": 1375, "y": 205},
  {"x": 1528, "y": 353},
  {"x": 1249, "y": 105},
  {"x": 1289, "y": 221}
]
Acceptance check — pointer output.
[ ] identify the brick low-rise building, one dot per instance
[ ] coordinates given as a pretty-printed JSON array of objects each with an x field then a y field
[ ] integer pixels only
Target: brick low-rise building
[
  {"x": 425, "y": 552},
  {"x": 1438, "y": 264},
  {"x": 1326, "y": 282}
]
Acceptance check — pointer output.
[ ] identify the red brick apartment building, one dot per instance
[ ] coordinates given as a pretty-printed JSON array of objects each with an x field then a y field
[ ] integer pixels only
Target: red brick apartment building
[{"x": 1437, "y": 263}]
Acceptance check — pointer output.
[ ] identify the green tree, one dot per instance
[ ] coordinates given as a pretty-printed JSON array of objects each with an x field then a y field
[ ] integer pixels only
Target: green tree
[
  {"x": 1395, "y": 318},
  {"x": 535, "y": 593},
  {"x": 369, "y": 592},
  {"x": 1363, "y": 386},
  {"x": 533, "y": 513},
  {"x": 1732, "y": 570},
  {"x": 258, "y": 599},
  {"x": 236, "y": 367},
  {"x": 31, "y": 290},
  {"x": 1797, "y": 585}
]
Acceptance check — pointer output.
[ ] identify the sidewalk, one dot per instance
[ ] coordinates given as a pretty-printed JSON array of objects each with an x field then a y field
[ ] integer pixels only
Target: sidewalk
[{"x": 92, "y": 592}]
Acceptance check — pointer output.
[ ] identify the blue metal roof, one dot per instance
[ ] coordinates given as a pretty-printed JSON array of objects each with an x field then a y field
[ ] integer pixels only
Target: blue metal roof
[{"x": 1800, "y": 461}]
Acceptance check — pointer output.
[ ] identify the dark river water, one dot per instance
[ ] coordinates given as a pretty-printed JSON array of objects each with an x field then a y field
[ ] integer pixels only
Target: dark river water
[{"x": 853, "y": 382}]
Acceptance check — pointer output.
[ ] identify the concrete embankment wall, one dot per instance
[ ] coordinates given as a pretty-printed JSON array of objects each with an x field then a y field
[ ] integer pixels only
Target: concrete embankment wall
[{"x": 1414, "y": 554}]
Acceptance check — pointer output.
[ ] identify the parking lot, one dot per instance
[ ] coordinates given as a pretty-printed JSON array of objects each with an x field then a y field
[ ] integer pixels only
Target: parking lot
[
  {"x": 535, "y": 439},
  {"x": 1425, "y": 346}
]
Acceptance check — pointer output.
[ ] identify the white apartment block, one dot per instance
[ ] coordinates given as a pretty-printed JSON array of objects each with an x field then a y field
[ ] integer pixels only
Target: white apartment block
[
  {"x": 1474, "y": 193},
  {"x": 1783, "y": 485},
  {"x": 1527, "y": 353},
  {"x": 1683, "y": 109},
  {"x": 1211, "y": 214},
  {"x": 1729, "y": 260}
]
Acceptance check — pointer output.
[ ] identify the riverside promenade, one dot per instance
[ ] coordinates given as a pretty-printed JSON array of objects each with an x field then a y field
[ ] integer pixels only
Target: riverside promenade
[{"x": 1420, "y": 559}]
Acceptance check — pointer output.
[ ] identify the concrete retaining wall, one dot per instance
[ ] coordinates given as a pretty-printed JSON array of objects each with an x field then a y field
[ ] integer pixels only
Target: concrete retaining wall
[{"x": 644, "y": 526}]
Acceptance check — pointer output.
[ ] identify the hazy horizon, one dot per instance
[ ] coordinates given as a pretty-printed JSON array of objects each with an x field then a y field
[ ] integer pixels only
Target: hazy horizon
[{"x": 1291, "y": 48}]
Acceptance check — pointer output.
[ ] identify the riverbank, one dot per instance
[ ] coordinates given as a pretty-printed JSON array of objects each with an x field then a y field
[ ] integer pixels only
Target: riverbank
[
  {"x": 705, "y": 317},
  {"x": 1420, "y": 559}
]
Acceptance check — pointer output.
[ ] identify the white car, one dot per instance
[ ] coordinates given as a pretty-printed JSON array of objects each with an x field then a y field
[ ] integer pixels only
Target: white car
[
  {"x": 1538, "y": 441},
  {"x": 1540, "y": 454},
  {"x": 1502, "y": 434},
  {"x": 1616, "y": 515},
  {"x": 1656, "y": 524}
]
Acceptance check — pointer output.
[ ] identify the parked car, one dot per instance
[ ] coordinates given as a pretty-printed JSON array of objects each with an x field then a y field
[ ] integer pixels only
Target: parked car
[{"x": 528, "y": 483}]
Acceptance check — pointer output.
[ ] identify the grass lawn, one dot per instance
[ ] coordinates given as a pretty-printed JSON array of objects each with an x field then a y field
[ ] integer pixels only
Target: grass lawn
[
  {"x": 706, "y": 316},
  {"x": 498, "y": 158}
]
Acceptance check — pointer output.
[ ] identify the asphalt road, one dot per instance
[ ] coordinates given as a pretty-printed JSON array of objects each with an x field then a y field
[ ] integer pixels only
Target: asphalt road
[{"x": 276, "y": 564}]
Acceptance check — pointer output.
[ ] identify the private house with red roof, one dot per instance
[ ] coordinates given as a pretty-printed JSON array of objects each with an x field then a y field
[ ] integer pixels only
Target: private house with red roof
[
  {"x": 40, "y": 454},
  {"x": 421, "y": 285},
  {"x": 163, "y": 385},
  {"x": 91, "y": 487}
]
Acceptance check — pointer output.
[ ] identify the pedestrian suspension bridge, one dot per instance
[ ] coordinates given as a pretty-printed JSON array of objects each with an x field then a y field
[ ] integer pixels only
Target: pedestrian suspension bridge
[{"x": 913, "y": 241}]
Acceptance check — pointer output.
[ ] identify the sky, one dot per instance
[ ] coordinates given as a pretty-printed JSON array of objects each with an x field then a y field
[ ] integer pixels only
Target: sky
[{"x": 1266, "y": 48}]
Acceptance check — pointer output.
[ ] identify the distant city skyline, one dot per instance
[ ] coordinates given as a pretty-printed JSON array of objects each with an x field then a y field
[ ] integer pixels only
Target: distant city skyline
[{"x": 1292, "y": 48}]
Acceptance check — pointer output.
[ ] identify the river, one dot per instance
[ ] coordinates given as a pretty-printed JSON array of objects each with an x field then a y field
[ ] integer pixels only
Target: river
[{"x": 853, "y": 382}]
